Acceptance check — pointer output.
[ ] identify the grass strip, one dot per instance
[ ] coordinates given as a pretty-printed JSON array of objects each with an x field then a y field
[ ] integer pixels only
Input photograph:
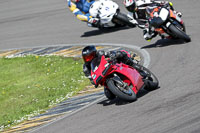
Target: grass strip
[{"x": 31, "y": 84}]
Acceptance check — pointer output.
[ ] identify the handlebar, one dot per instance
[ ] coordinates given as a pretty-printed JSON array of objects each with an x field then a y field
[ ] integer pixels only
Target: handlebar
[{"x": 112, "y": 60}]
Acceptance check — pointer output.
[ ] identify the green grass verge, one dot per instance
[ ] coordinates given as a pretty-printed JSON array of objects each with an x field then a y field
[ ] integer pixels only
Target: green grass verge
[{"x": 31, "y": 84}]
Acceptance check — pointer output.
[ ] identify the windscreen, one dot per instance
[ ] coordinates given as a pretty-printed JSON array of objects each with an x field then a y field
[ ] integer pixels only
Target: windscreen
[{"x": 95, "y": 63}]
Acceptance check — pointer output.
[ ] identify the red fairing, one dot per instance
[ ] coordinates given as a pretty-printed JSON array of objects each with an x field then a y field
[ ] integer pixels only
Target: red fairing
[
  {"x": 98, "y": 71},
  {"x": 131, "y": 76}
]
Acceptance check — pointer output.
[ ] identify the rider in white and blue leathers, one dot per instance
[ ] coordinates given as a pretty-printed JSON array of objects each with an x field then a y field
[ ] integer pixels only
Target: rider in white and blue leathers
[{"x": 81, "y": 9}]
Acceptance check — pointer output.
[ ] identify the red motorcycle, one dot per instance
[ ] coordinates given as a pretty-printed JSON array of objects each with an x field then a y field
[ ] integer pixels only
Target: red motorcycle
[{"x": 120, "y": 79}]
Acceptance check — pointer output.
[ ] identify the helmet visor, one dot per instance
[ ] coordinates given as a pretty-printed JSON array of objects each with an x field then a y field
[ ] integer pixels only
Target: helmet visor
[{"x": 88, "y": 58}]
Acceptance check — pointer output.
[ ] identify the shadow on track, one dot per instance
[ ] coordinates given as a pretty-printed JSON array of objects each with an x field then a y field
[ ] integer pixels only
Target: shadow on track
[
  {"x": 164, "y": 43},
  {"x": 103, "y": 31},
  {"x": 118, "y": 101}
]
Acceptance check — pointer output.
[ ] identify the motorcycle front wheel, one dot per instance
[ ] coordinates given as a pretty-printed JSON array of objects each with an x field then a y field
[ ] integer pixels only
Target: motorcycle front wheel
[
  {"x": 116, "y": 90},
  {"x": 109, "y": 94},
  {"x": 179, "y": 33}
]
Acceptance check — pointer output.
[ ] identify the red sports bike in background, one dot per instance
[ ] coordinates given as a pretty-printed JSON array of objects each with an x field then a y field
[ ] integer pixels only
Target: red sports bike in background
[
  {"x": 173, "y": 27},
  {"x": 121, "y": 80}
]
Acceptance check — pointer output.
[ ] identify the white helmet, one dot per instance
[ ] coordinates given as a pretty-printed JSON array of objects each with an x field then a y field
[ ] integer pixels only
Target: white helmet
[
  {"x": 140, "y": 2},
  {"x": 130, "y": 5}
]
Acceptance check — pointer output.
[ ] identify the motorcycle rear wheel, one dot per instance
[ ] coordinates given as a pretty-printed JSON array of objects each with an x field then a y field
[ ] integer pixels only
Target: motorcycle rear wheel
[
  {"x": 179, "y": 33},
  {"x": 116, "y": 91},
  {"x": 122, "y": 19},
  {"x": 150, "y": 80}
]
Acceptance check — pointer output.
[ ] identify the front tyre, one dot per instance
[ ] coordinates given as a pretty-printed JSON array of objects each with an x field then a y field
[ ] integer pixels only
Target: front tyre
[
  {"x": 179, "y": 33},
  {"x": 115, "y": 89},
  {"x": 109, "y": 94}
]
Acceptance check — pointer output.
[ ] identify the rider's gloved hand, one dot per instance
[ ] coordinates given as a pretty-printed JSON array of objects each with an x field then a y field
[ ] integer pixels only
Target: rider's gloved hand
[
  {"x": 94, "y": 22},
  {"x": 113, "y": 55},
  {"x": 116, "y": 54}
]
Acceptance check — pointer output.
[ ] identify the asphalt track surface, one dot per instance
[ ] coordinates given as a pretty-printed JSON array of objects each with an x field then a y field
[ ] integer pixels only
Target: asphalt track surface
[{"x": 174, "y": 107}]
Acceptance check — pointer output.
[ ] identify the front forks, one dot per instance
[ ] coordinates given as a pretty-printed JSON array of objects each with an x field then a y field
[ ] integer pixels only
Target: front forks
[{"x": 121, "y": 85}]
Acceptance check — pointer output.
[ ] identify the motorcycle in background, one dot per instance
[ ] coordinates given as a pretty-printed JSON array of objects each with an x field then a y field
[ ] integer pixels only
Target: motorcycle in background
[
  {"x": 173, "y": 26},
  {"x": 109, "y": 14}
]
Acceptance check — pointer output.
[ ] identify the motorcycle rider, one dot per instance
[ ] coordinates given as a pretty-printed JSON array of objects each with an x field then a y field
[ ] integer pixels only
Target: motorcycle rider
[
  {"x": 90, "y": 52},
  {"x": 81, "y": 9},
  {"x": 138, "y": 10}
]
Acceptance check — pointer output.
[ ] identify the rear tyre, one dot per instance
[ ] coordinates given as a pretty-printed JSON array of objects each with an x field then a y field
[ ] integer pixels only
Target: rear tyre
[
  {"x": 150, "y": 80},
  {"x": 122, "y": 19},
  {"x": 116, "y": 91},
  {"x": 179, "y": 33}
]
